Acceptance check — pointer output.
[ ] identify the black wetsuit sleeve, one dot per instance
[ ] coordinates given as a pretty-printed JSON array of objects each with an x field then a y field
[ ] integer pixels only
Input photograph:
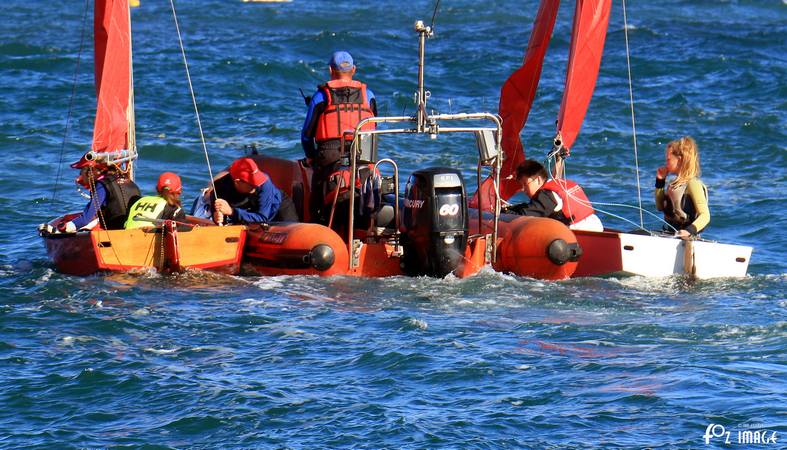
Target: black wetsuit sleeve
[
  {"x": 373, "y": 106},
  {"x": 542, "y": 205}
]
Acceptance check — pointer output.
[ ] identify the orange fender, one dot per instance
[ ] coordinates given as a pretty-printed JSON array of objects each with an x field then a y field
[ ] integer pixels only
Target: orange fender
[
  {"x": 295, "y": 249},
  {"x": 537, "y": 247}
]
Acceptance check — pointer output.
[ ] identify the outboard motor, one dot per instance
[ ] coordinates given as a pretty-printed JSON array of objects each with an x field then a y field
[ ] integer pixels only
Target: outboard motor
[{"x": 435, "y": 222}]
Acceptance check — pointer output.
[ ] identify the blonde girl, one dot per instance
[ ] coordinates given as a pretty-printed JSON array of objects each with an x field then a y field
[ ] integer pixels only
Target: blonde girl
[{"x": 685, "y": 199}]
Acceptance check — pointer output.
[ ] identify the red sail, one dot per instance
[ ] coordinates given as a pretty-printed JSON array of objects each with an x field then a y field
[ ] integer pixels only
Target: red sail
[
  {"x": 591, "y": 18},
  {"x": 112, "y": 38},
  {"x": 516, "y": 98}
]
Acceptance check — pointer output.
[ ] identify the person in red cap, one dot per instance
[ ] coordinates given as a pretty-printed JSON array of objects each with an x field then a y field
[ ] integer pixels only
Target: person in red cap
[
  {"x": 111, "y": 194},
  {"x": 149, "y": 210},
  {"x": 334, "y": 110},
  {"x": 252, "y": 197}
]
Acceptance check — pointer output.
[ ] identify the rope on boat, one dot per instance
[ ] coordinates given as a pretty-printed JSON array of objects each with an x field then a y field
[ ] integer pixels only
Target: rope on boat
[
  {"x": 70, "y": 103},
  {"x": 633, "y": 122},
  {"x": 641, "y": 210},
  {"x": 434, "y": 14},
  {"x": 193, "y": 98},
  {"x": 91, "y": 179},
  {"x": 623, "y": 205}
]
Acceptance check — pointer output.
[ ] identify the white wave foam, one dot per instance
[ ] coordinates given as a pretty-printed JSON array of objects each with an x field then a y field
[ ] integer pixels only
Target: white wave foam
[
  {"x": 291, "y": 332},
  {"x": 45, "y": 277},
  {"x": 268, "y": 283},
  {"x": 162, "y": 351},
  {"x": 417, "y": 323},
  {"x": 253, "y": 302}
]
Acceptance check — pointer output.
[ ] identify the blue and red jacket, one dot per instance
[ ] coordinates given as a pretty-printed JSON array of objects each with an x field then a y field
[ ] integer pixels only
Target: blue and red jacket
[{"x": 336, "y": 107}]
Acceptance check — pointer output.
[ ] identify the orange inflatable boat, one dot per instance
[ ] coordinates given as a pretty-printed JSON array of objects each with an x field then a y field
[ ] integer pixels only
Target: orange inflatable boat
[{"x": 437, "y": 234}]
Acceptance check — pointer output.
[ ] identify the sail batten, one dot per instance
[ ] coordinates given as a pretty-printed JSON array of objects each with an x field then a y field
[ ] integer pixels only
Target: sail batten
[{"x": 112, "y": 37}]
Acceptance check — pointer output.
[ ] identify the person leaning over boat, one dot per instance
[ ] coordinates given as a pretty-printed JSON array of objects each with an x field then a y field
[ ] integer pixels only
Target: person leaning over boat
[
  {"x": 150, "y": 209},
  {"x": 334, "y": 111},
  {"x": 685, "y": 199},
  {"x": 561, "y": 200},
  {"x": 111, "y": 193},
  {"x": 251, "y": 197}
]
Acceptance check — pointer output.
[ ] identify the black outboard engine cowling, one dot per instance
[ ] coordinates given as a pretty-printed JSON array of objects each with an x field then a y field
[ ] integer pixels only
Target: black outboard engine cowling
[{"x": 434, "y": 222}]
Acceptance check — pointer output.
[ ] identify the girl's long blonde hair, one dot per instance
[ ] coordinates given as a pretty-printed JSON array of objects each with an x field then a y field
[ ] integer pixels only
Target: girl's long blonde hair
[{"x": 686, "y": 149}]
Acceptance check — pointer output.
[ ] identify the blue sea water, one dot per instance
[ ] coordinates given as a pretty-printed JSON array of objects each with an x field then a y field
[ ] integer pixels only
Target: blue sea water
[{"x": 493, "y": 361}]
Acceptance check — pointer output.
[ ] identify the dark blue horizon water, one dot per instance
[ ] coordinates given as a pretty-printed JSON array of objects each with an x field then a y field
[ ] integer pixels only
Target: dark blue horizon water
[{"x": 494, "y": 361}]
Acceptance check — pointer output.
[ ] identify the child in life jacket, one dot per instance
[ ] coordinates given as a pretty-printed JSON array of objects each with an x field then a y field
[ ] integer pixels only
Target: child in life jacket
[
  {"x": 557, "y": 199},
  {"x": 111, "y": 194},
  {"x": 152, "y": 209}
]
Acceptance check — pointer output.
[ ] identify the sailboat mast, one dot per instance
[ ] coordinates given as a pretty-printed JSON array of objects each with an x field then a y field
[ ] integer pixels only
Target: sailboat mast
[
  {"x": 591, "y": 19},
  {"x": 132, "y": 134},
  {"x": 421, "y": 116}
]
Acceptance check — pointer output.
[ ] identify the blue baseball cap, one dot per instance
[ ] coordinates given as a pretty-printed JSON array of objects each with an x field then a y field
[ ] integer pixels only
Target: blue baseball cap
[{"x": 341, "y": 61}]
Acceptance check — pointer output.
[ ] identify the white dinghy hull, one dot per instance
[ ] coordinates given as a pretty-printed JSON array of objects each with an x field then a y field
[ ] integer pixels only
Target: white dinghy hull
[{"x": 608, "y": 253}]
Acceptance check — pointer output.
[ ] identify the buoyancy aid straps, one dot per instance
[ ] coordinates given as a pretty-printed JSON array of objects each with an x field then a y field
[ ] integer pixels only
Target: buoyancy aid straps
[
  {"x": 685, "y": 205},
  {"x": 120, "y": 191},
  {"x": 342, "y": 99},
  {"x": 339, "y": 186},
  {"x": 675, "y": 193}
]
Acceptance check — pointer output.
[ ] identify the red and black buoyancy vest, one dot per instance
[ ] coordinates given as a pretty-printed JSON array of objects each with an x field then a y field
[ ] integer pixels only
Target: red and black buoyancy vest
[
  {"x": 346, "y": 105},
  {"x": 576, "y": 205},
  {"x": 121, "y": 194}
]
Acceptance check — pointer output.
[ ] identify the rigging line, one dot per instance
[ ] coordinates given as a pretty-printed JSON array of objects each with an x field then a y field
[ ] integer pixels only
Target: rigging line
[
  {"x": 625, "y": 220},
  {"x": 70, "y": 104},
  {"x": 633, "y": 122},
  {"x": 434, "y": 14},
  {"x": 91, "y": 180},
  {"x": 621, "y": 205},
  {"x": 193, "y": 98}
]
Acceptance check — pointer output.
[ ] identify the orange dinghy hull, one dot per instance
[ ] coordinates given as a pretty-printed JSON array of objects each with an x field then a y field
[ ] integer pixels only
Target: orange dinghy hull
[{"x": 217, "y": 249}]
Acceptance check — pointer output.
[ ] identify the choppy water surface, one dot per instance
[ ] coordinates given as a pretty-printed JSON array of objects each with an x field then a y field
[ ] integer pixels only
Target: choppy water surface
[{"x": 201, "y": 360}]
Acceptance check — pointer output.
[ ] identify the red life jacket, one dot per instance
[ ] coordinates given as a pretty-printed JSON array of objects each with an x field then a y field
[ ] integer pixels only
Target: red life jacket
[
  {"x": 346, "y": 105},
  {"x": 339, "y": 182},
  {"x": 576, "y": 205}
]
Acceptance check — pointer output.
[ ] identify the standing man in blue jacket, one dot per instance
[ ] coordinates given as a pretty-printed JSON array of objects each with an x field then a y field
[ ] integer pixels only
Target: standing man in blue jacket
[{"x": 334, "y": 111}]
